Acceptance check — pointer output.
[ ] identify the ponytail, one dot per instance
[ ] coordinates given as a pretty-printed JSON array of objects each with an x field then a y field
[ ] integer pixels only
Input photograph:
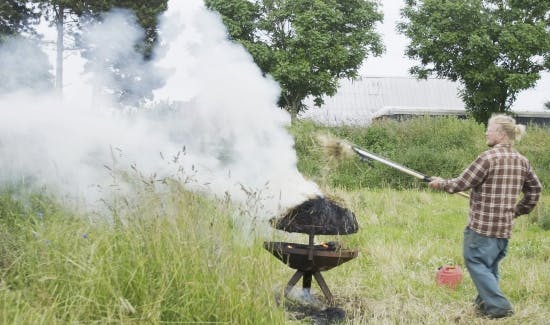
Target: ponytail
[
  {"x": 519, "y": 132},
  {"x": 508, "y": 125}
]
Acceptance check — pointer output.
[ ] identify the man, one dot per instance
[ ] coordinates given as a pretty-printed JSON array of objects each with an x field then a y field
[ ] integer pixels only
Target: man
[{"x": 496, "y": 178}]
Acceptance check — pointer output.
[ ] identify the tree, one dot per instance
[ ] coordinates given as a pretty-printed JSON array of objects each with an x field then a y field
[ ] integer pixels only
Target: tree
[
  {"x": 147, "y": 13},
  {"x": 305, "y": 45},
  {"x": 63, "y": 14},
  {"x": 15, "y": 17},
  {"x": 23, "y": 64},
  {"x": 121, "y": 72},
  {"x": 68, "y": 15},
  {"x": 127, "y": 73},
  {"x": 494, "y": 48}
]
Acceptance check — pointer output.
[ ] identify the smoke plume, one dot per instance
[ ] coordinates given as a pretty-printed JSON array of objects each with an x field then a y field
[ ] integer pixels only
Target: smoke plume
[{"x": 220, "y": 118}]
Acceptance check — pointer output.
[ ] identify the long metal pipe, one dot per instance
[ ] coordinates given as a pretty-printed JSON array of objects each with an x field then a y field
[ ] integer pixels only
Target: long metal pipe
[{"x": 365, "y": 154}]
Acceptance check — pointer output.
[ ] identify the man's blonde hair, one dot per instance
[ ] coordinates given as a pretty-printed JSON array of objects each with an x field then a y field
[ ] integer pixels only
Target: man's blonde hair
[{"x": 507, "y": 124}]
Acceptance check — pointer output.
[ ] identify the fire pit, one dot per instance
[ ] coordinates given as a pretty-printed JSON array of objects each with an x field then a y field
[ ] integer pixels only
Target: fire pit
[{"x": 318, "y": 216}]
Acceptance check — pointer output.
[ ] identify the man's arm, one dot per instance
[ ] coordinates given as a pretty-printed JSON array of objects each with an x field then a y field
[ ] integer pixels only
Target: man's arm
[
  {"x": 531, "y": 194},
  {"x": 470, "y": 177}
]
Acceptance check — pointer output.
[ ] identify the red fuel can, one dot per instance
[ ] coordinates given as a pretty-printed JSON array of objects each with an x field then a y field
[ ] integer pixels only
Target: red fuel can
[{"x": 449, "y": 275}]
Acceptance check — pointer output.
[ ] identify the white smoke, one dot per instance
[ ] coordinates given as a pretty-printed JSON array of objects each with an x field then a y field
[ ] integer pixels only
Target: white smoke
[
  {"x": 119, "y": 73},
  {"x": 228, "y": 127},
  {"x": 23, "y": 66}
]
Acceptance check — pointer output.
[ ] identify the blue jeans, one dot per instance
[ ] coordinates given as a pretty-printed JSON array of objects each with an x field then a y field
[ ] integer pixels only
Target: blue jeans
[{"x": 482, "y": 255}]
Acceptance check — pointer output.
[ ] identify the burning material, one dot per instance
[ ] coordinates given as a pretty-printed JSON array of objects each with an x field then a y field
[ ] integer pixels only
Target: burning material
[
  {"x": 319, "y": 216},
  {"x": 333, "y": 147}
]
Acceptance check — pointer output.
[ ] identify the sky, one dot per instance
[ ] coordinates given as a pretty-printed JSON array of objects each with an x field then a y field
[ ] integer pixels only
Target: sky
[{"x": 394, "y": 63}]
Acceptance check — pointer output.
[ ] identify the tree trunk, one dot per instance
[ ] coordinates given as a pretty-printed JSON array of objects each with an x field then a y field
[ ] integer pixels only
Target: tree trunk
[
  {"x": 293, "y": 114},
  {"x": 59, "y": 23},
  {"x": 295, "y": 108}
]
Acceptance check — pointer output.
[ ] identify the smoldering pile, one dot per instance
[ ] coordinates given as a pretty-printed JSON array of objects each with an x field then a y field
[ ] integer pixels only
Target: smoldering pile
[{"x": 318, "y": 216}]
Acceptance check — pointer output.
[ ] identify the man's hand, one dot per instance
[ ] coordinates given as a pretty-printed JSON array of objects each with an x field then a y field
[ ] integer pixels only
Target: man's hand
[{"x": 436, "y": 183}]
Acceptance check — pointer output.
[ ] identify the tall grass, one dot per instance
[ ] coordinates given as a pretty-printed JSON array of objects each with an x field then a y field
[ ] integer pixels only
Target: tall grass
[
  {"x": 169, "y": 256},
  {"x": 188, "y": 265},
  {"x": 176, "y": 257},
  {"x": 441, "y": 146}
]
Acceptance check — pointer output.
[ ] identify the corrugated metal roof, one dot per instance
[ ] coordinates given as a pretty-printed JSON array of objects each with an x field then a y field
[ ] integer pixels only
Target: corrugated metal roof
[{"x": 357, "y": 101}]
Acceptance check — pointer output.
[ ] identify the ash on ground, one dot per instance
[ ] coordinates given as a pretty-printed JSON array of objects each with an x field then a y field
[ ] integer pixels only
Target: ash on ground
[{"x": 303, "y": 305}]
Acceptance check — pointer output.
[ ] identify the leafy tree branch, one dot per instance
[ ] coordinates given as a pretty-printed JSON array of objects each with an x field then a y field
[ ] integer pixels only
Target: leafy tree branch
[
  {"x": 305, "y": 45},
  {"x": 495, "y": 49}
]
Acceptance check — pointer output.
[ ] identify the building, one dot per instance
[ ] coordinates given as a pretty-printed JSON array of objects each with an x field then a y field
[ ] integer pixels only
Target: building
[{"x": 360, "y": 101}]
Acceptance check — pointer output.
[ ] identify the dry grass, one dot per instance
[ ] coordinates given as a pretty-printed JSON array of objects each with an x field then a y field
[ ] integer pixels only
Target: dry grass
[
  {"x": 403, "y": 239},
  {"x": 333, "y": 147}
]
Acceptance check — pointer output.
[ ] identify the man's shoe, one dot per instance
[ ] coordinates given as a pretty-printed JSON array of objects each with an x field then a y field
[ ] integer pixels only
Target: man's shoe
[
  {"x": 479, "y": 310},
  {"x": 482, "y": 313},
  {"x": 508, "y": 313}
]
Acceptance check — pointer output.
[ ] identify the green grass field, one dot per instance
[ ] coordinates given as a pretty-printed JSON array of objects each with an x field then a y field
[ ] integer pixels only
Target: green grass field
[{"x": 175, "y": 257}]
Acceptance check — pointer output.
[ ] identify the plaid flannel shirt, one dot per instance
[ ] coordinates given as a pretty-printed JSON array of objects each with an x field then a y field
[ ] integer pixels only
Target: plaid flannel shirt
[{"x": 496, "y": 178}]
